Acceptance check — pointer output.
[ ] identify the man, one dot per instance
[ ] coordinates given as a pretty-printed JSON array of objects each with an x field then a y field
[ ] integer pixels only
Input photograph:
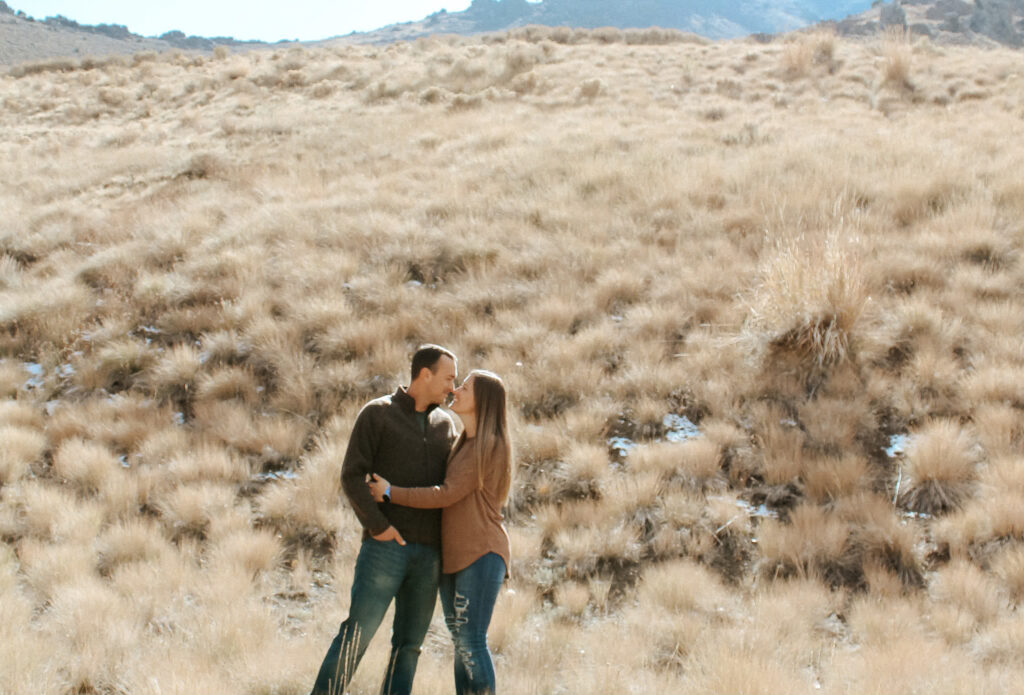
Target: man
[{"x": 406, "y": 439}]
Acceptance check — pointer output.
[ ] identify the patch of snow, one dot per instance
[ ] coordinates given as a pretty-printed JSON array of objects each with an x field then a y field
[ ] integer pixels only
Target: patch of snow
[
  {"x": 679, "y": 428},
  {"x": 898, "y": 444}
]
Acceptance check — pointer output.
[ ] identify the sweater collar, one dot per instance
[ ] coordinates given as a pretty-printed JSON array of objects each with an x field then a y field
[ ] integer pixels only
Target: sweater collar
[{"x": 407, "y": 402}]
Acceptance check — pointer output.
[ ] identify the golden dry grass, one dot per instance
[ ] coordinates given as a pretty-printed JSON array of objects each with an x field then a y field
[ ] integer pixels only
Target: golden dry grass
[{"x": 804, "y": 247}]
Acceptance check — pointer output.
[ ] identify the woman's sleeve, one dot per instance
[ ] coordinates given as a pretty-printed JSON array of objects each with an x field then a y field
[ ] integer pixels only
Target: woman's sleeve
[{"x": 459, "y": 481}]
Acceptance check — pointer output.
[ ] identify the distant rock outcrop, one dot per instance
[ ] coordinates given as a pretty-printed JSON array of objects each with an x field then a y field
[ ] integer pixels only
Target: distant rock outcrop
[
  {"x": 945, "y": 21},
  {"x": 999, "y": 20},
  {"x": 892, "y": 16}
]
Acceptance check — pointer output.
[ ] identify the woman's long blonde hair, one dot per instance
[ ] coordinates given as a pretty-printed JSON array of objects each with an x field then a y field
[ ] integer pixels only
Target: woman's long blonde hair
[{"x": 492, "y": 444}]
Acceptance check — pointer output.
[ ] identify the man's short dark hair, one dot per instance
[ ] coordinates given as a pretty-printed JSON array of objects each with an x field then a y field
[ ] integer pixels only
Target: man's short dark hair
[{"x": 427, "y": 356}]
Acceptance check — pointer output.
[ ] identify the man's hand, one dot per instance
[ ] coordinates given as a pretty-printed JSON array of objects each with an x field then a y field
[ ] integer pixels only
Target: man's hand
[
  {"x": 390, "y": 534},
  {"x": 378, "y": 486}
]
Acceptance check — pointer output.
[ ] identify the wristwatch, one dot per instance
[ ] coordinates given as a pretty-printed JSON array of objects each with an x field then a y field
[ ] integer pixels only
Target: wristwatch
[{"x": 387, "y": 494}]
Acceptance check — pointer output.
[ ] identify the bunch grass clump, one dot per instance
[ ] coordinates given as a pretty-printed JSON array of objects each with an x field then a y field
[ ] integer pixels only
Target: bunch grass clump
[
  {"x": 810, "y": 299},
  {"x": 940, "y": 468}
]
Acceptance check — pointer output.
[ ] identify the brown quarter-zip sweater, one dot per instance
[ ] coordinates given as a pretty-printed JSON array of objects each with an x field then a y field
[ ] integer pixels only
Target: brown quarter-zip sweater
[
  {"x": 471, "y": 519},
  {"x": 388, "y": 440}
]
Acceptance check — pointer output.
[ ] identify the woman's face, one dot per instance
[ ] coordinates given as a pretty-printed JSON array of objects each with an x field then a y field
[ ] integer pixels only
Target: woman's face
[{"x": 463, "y": 398}]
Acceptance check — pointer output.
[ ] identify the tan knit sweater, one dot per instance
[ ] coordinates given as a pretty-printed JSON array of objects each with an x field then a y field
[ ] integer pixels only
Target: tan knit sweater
[{"x": 470, "y": 517}]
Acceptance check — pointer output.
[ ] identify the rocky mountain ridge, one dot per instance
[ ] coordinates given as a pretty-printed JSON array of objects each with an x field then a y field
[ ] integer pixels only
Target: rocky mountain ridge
[
  {"x": 709, "y": 18},
  {"x": 24, "y": 39},
  {"x": 944, "y": 21}
]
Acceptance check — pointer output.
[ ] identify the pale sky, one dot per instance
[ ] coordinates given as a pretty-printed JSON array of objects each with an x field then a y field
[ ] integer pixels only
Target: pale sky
[{"x": 263, "y": 20}]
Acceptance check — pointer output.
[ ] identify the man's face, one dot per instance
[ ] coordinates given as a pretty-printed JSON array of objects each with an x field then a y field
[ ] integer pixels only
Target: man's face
[{"x": 442, "y": 380}]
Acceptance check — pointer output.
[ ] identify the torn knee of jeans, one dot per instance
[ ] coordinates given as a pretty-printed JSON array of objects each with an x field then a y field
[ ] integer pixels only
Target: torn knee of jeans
[
  {"x": 460, "y": 605},
  {"x": 465, "y": 655},
  {"x": 455, "y": 621}
]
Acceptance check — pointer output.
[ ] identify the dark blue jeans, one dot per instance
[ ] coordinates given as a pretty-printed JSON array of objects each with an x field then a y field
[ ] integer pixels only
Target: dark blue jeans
[
  {"x": 467, "y": 598},
  {"x": 384, "y": 571}
]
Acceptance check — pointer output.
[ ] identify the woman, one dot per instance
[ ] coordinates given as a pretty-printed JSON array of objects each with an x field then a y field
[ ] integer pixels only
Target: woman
[{"x": 474, "y": 544}]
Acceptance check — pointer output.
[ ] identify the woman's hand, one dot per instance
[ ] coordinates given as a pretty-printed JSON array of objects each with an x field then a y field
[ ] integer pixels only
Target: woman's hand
[{"x": 378, "y": 486}]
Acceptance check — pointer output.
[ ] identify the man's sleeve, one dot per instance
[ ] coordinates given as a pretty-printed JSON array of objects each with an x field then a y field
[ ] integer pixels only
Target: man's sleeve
[
  {"x": 357, "y": 465},
  {"x": 459, "y": 481}
]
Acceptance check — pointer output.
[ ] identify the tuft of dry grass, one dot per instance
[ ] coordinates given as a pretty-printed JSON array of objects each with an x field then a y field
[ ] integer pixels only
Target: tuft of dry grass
[
  {"x": 127, "y": 542},
  {"x": 682, "y": 586},
  {"x": 806, "y": 51},
  {"x": 827, "y": 479},
  {"x": 1009, "y": 567},
  {"x": 810, "y": 545},
  {"x": 940, "y": 468},
  {"x": 188, "y": 511},
  {"x": 85, "y": 465},
  {"x": 897, "y": 59},
  {"x": 248, "y": 552},
  {"x": 692, "y": 463},
  {"x": 782, "y": 444},
  {"x": 22, "y": 447},
  {"x": 810, "y": 300},
  {"x": 967, "y": 588}
]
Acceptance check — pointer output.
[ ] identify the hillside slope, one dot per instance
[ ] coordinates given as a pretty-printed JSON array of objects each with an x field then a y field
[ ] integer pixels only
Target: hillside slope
[
  {"x": 25, "y": 39},
  {"x": 759, "y": 307}
]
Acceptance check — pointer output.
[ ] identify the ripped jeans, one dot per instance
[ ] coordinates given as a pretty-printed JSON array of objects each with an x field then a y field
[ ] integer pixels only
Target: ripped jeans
[
  {"x": 384, "y": 572},
  {"x": 467, "y": 598}
]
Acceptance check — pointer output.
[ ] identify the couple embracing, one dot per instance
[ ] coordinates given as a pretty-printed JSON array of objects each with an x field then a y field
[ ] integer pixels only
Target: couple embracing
[{"x": 430, "y": 506}]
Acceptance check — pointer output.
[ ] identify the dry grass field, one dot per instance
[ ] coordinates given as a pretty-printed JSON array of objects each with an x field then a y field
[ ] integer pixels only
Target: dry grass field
[{"x": 810, "y": 249}]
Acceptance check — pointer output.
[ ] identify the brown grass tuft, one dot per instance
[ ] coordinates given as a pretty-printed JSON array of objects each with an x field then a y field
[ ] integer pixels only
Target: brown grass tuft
[
  {"x": 130, "y": 541},
  {"x": 807, "y": 51},
  {"x": 810, "y": 545},
  {"x": 810, "y": 300},
  {"x": 968, "y": 588},
  {"x": 22, "y": 447},
  {"x": 1009, "y": 567},
  {"x": 173, "y": 376},
  {"x": 115, "y": 366},
  {"x": 897, "y": 59},
  {"x": 85, "y": 465},
  {"x": 188, "y": 511},
  {"x": 680, "y": 587},
  {"x": 250, "y": 552},
  {"x": 1000, "y": 429},
  {"x": 940, "y": 468},
  {"x": 827, "y": 479}
]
